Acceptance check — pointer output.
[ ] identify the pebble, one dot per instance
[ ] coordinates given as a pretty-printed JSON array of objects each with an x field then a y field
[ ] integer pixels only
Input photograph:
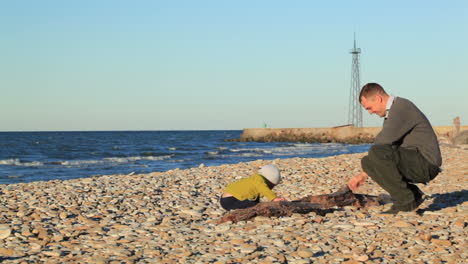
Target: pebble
[
  {"x": 343, "y": 226},
  {"x": 7, "y": 252},
  {"x": 363, "y": 223},
  {"x": 399, "y": 223},
  {"x": 191, "y": 212},
  {"x": 247, "y": 249},
  {"x": 5, "y": 231},
  {"x": 170, "y": 217},
  {"x": 305, "y": 253},
  {"x": 441, "y": 242},
  {"x": 362, "y": 258},
  {"x": 460, "y": 223},
  {"x": 51, "y": 253},
  {"x": 63, "y": 215}
]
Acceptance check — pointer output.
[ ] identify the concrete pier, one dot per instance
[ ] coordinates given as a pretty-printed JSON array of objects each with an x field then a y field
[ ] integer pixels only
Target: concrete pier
[{"x": 342, "y": 134}]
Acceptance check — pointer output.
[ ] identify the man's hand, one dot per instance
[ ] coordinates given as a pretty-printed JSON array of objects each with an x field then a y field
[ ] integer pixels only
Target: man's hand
[
  {"x": 355, "y": 182},
  {"x": 278, "y": 199}
]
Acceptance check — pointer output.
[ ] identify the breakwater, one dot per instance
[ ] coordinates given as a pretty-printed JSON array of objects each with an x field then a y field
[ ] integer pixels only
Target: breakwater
[{"x": 341, "y": 134}]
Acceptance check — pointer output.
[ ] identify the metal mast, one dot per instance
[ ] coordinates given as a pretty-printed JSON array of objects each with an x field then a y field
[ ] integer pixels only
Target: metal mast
[{"x": 355, "y": 110}]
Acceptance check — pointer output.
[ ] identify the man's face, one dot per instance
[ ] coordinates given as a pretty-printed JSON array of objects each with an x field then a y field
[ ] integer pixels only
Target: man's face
[{"x": 374, "y": 105}]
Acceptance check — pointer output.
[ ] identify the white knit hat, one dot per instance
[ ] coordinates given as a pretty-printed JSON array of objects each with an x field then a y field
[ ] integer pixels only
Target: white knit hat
[{"x": 271, "y": 173}]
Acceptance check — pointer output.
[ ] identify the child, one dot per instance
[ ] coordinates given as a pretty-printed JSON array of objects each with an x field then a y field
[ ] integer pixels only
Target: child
[{"x": 246, "y": 192}]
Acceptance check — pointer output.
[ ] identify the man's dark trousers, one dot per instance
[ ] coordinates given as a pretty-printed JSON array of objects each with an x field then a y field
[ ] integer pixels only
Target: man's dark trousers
[{"x": 395, "y": 169}]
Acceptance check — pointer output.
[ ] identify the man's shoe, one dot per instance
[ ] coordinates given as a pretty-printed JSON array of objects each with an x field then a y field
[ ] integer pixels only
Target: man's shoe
[
  {"x": 411, "y": 206},
  {"x": 393, "y": 210}
]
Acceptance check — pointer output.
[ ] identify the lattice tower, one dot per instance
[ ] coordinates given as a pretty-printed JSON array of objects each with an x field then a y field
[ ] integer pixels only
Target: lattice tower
[{"x": 355, "y": 108}]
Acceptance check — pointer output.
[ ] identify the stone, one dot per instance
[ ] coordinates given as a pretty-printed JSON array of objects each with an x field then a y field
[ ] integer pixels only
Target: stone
[
  {"x": 304, "y": 253},
  {"x": 278, "y": 243},
  {"x": 5, "y": 231},
  {"x": 20, "y": 214},
  {"x": 248, "y": 249},
  {"x": 370, "y": 249},
  {"x": 35, "y": 247},
  {"x": 343, "y": 226},
  {"x": 362, "y": 258},
  {"x": 222, "y": 228},
  {"x": 7, "y": 252},
  {"x": 363, "y": 223},
  {"x": 183, "y": 253},
  {"x": 360, "y": 215},
  {"x": 460, "y": 223},
  {"x": 42, "y": 234},
  {"x": 425, "y": 236},
  {"x": 51, "y": 253},
  {"x": 400, "y": 223},
  {"x": 192, "y": 212},
  {"x": 63, "y": 215},
  {"x": 441, "y": 242},
  {"x": 351, "y": 261}
]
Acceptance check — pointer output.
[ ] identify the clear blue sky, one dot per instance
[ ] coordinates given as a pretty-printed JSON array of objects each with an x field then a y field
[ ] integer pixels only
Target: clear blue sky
[{"x": 163, "y": 65}]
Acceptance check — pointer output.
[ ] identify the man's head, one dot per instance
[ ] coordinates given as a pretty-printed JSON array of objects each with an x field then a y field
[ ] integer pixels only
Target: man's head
[{"x": 374, "y": 99}]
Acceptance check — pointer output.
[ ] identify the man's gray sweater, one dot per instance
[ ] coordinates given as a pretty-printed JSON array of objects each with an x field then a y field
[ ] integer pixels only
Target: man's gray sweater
[{"x": 406, "y": 126}]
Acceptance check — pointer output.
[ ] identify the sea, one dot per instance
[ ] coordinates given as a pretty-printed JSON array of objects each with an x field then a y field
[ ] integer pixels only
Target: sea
[{"x": 43, "y": 156}]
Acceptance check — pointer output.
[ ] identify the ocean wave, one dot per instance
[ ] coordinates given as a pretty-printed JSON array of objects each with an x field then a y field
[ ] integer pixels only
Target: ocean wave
[
  {"x": 18, "y": 162},
  {"x": 258, "y": 150},
  {"x": 325, "y": 145},
  {"x": 298, "y": 149},
  {"x": 237, "y": 155},
  {"x": 127, "y": 159},
  {"x": 115, "y": 160}
]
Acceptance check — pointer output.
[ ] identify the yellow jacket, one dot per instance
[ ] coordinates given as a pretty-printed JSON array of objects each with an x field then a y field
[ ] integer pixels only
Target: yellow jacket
[{"x": 250, "y": 188}]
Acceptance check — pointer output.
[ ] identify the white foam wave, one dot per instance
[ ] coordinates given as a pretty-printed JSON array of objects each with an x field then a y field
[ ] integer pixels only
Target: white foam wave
[
  {"x": 9, "y": 162},
  {"x": 114, "y": 160},
  {"x": 78, "y": 162},
  {"x": 246, "y": 155},
  {"x": 127, "y": 159},
  {"x": 292, "y": 149},
  {"x": 259, "y": 150},
  {"x": 307, "y": 149},
  {"x": 17, "y": 162}
]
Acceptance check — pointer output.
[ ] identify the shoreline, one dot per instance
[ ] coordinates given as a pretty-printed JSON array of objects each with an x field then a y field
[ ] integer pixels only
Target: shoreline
[{"x": 169, "y": 217}]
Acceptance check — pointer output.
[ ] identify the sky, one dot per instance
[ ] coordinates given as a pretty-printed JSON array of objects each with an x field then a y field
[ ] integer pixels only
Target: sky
[{"x": 222, "y": 65}]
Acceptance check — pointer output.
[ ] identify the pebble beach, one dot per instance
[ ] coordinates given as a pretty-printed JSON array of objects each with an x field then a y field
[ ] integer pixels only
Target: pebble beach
[{"x": 171, "y": 217}]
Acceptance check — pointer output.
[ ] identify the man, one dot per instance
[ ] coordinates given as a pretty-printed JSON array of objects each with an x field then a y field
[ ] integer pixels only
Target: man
[{"x": 406, "y": 151}]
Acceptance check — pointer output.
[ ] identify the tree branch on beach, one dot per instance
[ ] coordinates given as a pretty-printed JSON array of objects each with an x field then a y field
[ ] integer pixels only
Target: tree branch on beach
[{"x": 320, "y": 204}]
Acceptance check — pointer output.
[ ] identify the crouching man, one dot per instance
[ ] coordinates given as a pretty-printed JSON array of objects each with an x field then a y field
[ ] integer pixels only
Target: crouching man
[{"x": 406, "y": 151}]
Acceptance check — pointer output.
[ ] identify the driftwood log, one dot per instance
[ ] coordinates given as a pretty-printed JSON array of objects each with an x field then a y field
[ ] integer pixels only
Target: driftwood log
[{"x": 320, "y": 204}]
